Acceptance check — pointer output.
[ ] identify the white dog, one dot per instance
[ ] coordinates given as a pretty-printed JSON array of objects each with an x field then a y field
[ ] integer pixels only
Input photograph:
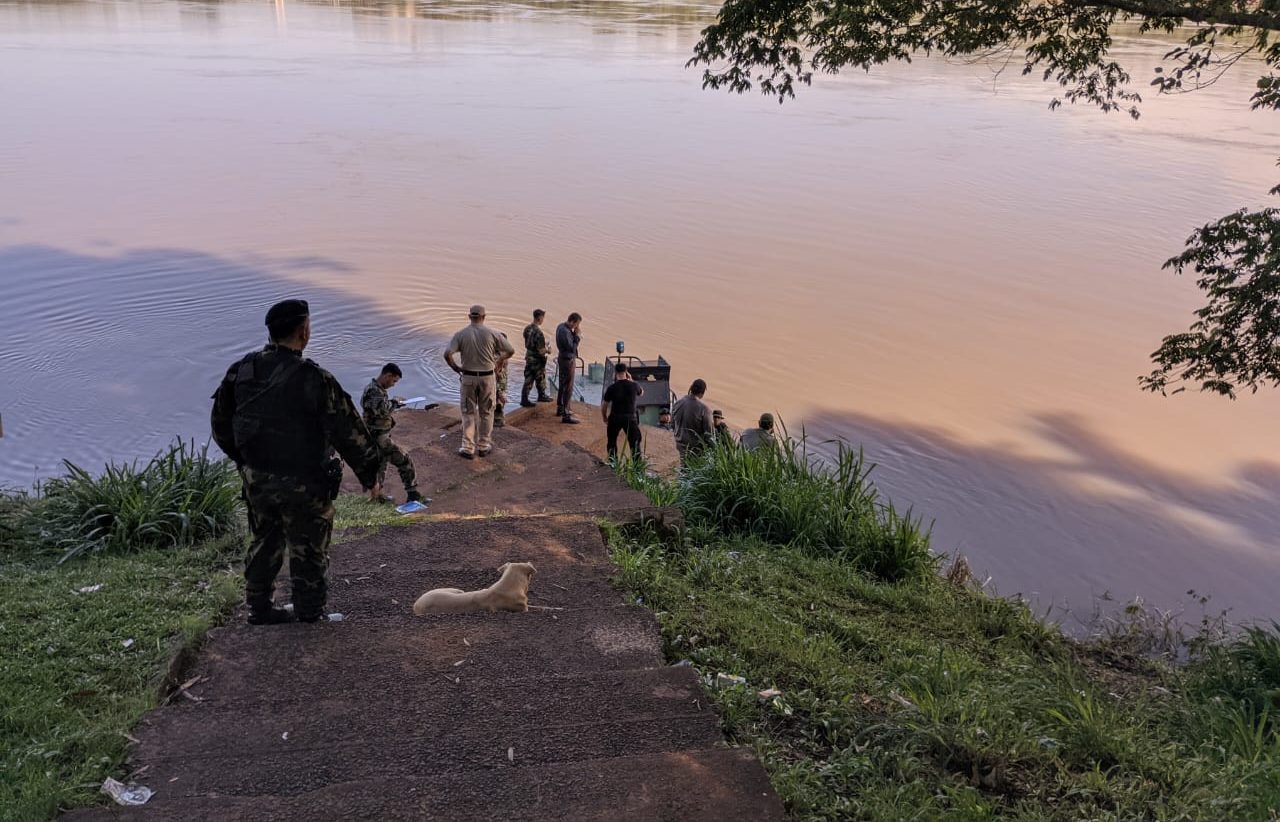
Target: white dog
[{"x": 509, "y": 593}]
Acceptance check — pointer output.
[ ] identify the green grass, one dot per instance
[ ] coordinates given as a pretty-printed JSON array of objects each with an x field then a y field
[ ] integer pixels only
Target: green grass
[
  {"x": 908, "y": 696},
  {"x": 784, "y": 496},
  {"x": 69, "y": 688},
  {"x": 924, "y": 700},
  {"x": 178, "y": 498},
  {"x": 165, "y": 543}
]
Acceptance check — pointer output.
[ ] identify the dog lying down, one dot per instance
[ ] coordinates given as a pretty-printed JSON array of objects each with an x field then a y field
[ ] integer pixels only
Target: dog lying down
[{"x": 509, "y": 593}]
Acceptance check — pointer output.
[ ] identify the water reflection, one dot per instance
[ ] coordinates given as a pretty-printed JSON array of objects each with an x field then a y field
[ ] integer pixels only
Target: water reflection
[
  {"x": 109, "y": 356},
  {"x": 1105, "y": 522},
  {"x": 919, "y": 249}
]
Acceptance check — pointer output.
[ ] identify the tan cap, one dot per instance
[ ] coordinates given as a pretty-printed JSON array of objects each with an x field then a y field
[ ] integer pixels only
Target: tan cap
[{"x": 477, "y": 311}]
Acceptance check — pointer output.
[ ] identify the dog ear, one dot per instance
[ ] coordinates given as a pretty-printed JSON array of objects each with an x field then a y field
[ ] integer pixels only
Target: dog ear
[{"x": 502, "y": 569}]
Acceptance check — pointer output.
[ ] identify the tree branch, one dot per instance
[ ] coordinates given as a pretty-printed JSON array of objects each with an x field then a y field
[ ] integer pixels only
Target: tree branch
[{"x": 1194, "y": 13}]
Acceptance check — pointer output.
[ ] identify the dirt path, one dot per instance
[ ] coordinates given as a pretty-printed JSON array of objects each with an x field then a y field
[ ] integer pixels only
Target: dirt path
[{"x": 565, "y": 713}]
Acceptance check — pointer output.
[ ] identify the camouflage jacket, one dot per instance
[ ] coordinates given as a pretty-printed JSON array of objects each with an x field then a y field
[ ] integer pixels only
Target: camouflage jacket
[
  {"x": 535, "y": 343},
  {"x": 309, "y": 415},
  {"x": 377, "y": 408}
]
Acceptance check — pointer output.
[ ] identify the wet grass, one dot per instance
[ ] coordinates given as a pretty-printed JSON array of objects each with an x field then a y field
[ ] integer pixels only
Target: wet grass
[
  {"x": 904, "y": 695},
  {"x": 87, "y": 636}
]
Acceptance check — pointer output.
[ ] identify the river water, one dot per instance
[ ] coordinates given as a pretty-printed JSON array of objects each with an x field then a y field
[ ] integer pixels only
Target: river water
[{"x": 925, "y": 261}]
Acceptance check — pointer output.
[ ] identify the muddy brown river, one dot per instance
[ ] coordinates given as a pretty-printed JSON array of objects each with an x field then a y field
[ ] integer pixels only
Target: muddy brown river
[{"x": 925, "y": 261}]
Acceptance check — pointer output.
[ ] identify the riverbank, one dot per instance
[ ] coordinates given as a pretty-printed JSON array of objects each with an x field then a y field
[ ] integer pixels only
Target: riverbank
[
  {"x": 866, "y": 696},
  {"x": 865, "y": 682}
]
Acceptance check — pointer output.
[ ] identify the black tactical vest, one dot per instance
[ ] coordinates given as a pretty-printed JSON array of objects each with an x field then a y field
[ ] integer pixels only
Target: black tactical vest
[{"x": 276, "y": 424}]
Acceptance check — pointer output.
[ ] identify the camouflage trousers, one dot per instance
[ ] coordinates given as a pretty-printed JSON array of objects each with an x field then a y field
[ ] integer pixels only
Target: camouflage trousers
[
  {"x": 499, "y": 398},
  {"x": 390, "y": 452},
  {"x": 286, "y": 514},
  {"x": 535, "y": 373}
]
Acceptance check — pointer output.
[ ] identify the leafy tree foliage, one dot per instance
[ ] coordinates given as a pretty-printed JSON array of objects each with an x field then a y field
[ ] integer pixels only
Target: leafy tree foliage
[{"x": 777, "y": 45}]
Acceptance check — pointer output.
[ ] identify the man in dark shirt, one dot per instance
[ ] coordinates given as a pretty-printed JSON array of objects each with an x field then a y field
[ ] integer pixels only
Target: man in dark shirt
[
  {"x": 618, "y": 410},
  {"x": 567, "y": 339}
]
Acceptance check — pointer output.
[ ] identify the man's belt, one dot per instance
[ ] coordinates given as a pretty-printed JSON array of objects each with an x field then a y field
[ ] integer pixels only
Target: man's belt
[{"x": 488, "y": 373}]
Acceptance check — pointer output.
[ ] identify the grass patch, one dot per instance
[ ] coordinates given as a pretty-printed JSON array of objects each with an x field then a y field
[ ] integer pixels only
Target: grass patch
[
  {"x": 783, "y": 496},
  {"x": 924, "y": 700},
  {"x": 69, "y": 687},
  {"x": 103, "y": 579},
  {"x": 178, "y": 498},
  {"x": 908, "y": 696}
]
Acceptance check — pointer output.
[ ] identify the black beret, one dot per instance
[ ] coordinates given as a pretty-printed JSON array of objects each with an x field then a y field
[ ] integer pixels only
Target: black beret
[{"x": 287, "y": 310}]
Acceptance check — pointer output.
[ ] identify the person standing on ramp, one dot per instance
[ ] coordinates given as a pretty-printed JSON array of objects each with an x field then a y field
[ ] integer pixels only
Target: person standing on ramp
[
  {"x": 279, "y": 417},
  {"x": 481, "y": 350}
]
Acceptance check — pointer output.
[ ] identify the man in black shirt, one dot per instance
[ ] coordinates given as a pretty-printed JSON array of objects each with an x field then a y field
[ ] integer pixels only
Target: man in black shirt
[{"x": 618, "y": 409}]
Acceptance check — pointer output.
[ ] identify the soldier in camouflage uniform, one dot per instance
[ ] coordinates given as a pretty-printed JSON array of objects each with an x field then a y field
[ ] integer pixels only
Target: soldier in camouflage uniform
[
  {"x": 378, "y": 408},
  {"x": 280, "y": 417},
  {"x": 500, "y": 392},
  {"x": 536, "y": 351}
]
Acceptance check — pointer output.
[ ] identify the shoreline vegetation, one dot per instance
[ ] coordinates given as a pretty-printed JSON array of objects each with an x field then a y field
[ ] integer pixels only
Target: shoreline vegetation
[
  {"x": 108, "y": 585},
  {"x": 871, "y": 686}
]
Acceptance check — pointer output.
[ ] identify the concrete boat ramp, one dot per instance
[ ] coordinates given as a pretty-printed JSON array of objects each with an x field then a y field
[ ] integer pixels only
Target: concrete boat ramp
[{"x": 565, "y": 713}]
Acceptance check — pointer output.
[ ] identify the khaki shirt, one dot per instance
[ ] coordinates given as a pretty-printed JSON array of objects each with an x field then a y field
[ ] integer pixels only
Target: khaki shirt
[{"x": 480, "y": 347}]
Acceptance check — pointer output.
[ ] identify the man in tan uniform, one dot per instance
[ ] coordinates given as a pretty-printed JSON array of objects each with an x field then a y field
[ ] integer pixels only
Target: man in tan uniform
[{"x": 482, "y": 350}]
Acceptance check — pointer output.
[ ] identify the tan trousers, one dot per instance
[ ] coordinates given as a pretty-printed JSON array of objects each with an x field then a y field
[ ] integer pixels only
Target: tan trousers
[{"x": 477, "y": 413}]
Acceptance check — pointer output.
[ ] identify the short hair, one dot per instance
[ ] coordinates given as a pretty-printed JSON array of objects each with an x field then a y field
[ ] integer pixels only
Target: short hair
[
  {"x": 538, "y": 313},
  {"x": 285, "y": 328},
  {"x": 664, "y": 410},
  {"x": 698, "y": 388},
  {"x": 575, "y": 317},
  {"x": 392, "y": 368},
  {"x": 766, "y": 421},
  {"x": 621, "y": 368}
]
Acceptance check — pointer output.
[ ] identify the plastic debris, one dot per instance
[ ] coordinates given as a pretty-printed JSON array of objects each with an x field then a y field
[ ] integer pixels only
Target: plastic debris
[
  {"x": 511, "y": 754},
  {"x": 735, "y": 555},
  {"x": 89, "y": 589},
  {"x": 336, "y": 617},
  {"x": 411, "y": 507},
  {"x": 684, "y": 663},
  {"x": 1048, "y": 742},
  {"x": 901, "y": 700},
  {"x": 128, "y": 795},
  {"x": 768, "y": 693},
  {"x": 459, "y": 662},
  {"x": 128, "y": 643},
  {"x": 285, "y": 736},
  {"x": 724, "y": 680}
]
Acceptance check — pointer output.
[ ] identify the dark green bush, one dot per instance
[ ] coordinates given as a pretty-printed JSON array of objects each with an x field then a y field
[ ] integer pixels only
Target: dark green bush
[
  {"x": 180, "y": 497},
  {"x": 829, "y": 508}
]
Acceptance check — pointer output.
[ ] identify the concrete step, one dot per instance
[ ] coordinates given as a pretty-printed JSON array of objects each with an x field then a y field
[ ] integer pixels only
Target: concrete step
[
  {"x": 707, "y": 785},
  {"x": 382, "y": 575},
  {"x": 267, "y": 660},
  {"x": 474, "y": 544},
  {"x": 422, "y": 704}
]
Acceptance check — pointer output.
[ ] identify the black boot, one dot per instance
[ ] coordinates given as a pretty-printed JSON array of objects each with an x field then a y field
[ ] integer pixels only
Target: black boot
[
  {"x": 524, "y": 396},
  {"x": 270, "y": 616}
]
